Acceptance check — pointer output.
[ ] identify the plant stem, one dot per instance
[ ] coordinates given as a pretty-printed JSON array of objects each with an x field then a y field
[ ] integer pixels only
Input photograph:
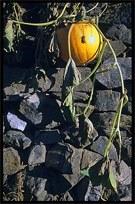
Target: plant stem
[
  {"x": 96, "y": 67},
  {"x": 92, "y": 8},
  {"x": 43, "y": 24}
]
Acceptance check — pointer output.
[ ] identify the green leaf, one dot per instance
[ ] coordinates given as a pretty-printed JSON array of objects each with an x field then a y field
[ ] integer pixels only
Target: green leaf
[
  {"x": 112, "y": 180},
  {"x": 85, "y": 172}
]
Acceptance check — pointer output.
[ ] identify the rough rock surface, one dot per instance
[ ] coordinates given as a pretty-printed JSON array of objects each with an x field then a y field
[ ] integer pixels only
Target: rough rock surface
[
  {"x": 120, "y": 32},
  {"x": 11, "y": 161},
  {"x": 16, "y": 139},
  {"x": 15, "y": 122},
  {"x": 111, "y": 79}
]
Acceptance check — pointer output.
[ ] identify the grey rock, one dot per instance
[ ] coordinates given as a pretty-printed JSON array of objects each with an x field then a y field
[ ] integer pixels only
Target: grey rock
[
  {"x": 15, "y": 122},
  {"x": 44, "y": 84},
  {"x": 37, "y": 155},
  {"x": 122, "y": 173},
  {"x": 47, "y": 113},
  {"x": 66, "y": 197},
  {"x": 120, "y": 13},
  {"x": 89, "y": 158},
  {"x": 104, "y": 101},
  {"x": 51, "y": 112},
  {"x": 127, "y": 109},
  {"x": 61, "y": 183},
  {"x": 81, "y": 106},
  {"x": 14, "y": 89},
  {"x": 65, "y": 158},
  {"x": 85, "y": 87},
  {"x": 126, "y": 137},
  {"x": 86, "y": 191},
  {"x": 111, "y": 79},
  {"x": 99, "y": 146},
  {"x": 78, "y": 96},
  {"x": 16, "y": 139},
  {"x": 48, "y": 137},
  {"x": 120, "y": 32},
  {"x": 103, "y": 122},
  {"x": 93, "y": 193},
  {"x": 11, "y": 161},
  {"x": 118, "y": 47},
  {"x": 81, "y": 188},
  {"x": 29, "y": 108},
  {"x": 37, "y": 187},
  {"x": 126, "y": 122},
  {"x": 72, "y": 136},
  {"x": 125, "y": 192}
]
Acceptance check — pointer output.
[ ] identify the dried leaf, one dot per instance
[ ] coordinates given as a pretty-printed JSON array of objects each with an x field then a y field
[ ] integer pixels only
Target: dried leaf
[
  {"x": 9, "y": 34},
  {"x": 72, "y": 75},
  {"x": 71, "y": 78},
  {"x": 85, "y": 128}
]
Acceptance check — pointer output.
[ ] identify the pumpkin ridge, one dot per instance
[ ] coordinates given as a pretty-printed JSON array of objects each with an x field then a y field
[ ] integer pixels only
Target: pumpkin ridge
[
  {"x": 86, "y": 53},
  {"x": 79, "y": 56},
  {"x": 98, "y": 49}
]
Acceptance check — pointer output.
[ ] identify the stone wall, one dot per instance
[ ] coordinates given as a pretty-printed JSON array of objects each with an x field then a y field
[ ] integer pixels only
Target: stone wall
[{"x": 42, "y": 156}]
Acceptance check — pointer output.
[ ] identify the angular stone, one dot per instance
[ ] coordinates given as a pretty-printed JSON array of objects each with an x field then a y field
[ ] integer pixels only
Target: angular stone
[
  {"x": 65, "y": 158},
  {"x": 48, "y": 137},
  {"x": 89, "y": 158},
  {"x": 37, "y": 187},
  {"x": 120, "y": 32},
  {"x": 66, "y": 197},
  {"x": 124, "y": 174},
  {"x": 104, "y": 101},
  {"x": 11, "y": 161},
  {"x": 15, "y": 122},
  {"x": 14, "y": 89},
  {"x": 81, "y": 188},
  {"x": 85, "y": 87},
  {"x": 126, "y": 121},
  {"x": 72, "y": 136},
  {"x": 111, "y": 79},
  {"x": 125, "y": 192},
  {"x": 94, "y": 193},
  {"x": 117, "y": 46},
  {"x": 128, "y": 108},
  {"x": 81, "y": 106},
  {"x": 86, "y": 191},
  {"x": 61, "y": 183},
  {"x": 37, "y": 155},
  {"x": 78, "y": 96},
  {"x": 99, "y": 146},
  {"x": 16, "y": 139},
  {"x": 44, "y": 84},
  {"x": 103, "y": 122},
  {"x": 29, "y": 108}
]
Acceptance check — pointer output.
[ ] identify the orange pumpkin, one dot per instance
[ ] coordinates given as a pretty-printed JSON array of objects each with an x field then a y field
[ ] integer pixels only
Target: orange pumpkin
[{"x": 85, "y": 42}]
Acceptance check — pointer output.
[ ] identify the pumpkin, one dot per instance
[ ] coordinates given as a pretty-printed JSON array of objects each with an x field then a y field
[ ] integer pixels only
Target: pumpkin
[{"x": 85, "y": 42}]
